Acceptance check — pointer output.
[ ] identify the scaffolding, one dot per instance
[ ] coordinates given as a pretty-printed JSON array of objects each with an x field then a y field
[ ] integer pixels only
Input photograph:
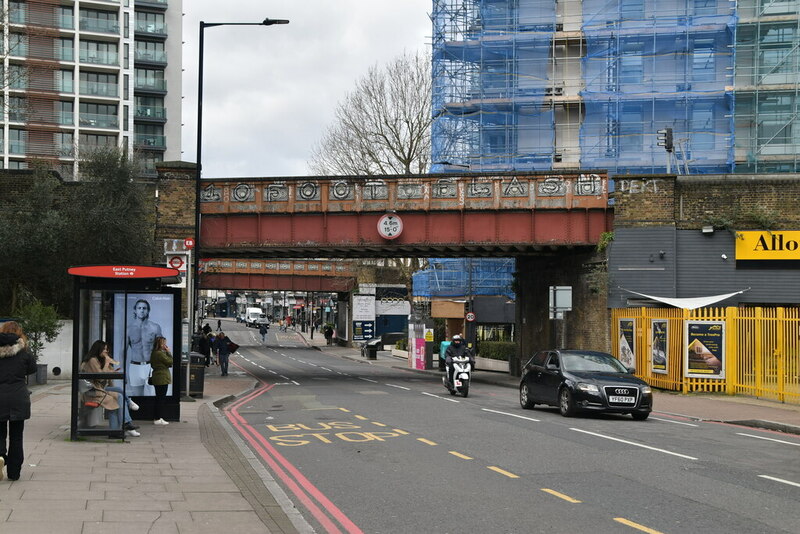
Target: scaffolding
[
  {"x": 463, "y": 277},
  {"x": 541, "y": 85}
]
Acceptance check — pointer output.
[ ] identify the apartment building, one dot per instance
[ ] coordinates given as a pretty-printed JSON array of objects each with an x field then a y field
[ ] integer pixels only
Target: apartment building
[
  {"x": 545, "y": 84},
  {"x": 83, "y": 74}
]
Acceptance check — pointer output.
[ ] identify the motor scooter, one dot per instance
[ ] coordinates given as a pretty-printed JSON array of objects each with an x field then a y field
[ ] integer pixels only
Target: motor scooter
[{"x": 461, "y": 377}]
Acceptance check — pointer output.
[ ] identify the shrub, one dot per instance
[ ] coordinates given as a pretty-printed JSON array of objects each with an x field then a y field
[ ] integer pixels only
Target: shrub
[{"x": 496, "y": 350}]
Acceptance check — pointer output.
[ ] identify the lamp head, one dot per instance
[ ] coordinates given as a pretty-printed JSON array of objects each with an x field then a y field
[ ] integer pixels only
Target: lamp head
[{"x": 270, "y": 22}]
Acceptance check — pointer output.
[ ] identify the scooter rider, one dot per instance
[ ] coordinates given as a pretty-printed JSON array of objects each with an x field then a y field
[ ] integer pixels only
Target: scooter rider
[{"x": 457, "y": 349}]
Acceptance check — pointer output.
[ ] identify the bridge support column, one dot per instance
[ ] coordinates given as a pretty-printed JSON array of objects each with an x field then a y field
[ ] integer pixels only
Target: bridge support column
[{"x": 586, "y": 326}]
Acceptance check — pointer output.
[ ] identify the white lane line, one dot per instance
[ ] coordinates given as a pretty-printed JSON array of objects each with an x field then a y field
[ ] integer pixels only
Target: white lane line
[
  {"x": 782, "y": 481},
  {"x": 367, "y": 380},
  {"x": 301, "y": 361},
  {"x": 671, "y": 421},
  {"x": 285, "y": 377},
  {"x": 326, "y": 369},
  {"x": 438, "y": 397},
  {"x": 295, "y": 383},
  {"x": 511, "y": 415},
  {"x": 261, "y": 366},
  {"x": 273, "y": 372},
  {"x": 313, "y": 364},
  {"x": 634, "y": 444},
  {"x": 768, "y": 439},
  {"x": 398, "y": 387}
]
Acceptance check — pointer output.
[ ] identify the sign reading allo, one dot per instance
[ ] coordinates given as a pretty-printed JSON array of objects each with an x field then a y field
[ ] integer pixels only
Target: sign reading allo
[{"x": 774, "y": 245}]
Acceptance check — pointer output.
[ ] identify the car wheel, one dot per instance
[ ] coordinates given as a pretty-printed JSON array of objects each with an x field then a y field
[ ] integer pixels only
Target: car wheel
[
  {"x": 525, "y": 397},
  {"x": 565, "y": 403},
  {"x": 639, "y": 416}
]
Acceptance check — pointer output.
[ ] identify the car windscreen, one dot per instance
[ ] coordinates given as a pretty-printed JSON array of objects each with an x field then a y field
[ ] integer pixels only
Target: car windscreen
[{"x": 591, "y": 362}]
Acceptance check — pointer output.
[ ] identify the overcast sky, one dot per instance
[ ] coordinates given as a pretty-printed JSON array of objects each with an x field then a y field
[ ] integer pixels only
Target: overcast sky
[{"x": 269, "y": 92}]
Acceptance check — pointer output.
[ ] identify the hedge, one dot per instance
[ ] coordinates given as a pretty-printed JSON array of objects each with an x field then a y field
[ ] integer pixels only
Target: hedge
[{"x": 496, "y": 350}]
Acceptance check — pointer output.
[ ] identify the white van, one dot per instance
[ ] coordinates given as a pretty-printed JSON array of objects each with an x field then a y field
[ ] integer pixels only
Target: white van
[{"x": 251, "y": 316}]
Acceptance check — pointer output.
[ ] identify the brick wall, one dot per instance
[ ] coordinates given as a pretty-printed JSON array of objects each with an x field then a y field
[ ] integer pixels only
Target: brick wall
[
  {"x": 175, "y": 206},
  {"x": 736, "y": 202}
]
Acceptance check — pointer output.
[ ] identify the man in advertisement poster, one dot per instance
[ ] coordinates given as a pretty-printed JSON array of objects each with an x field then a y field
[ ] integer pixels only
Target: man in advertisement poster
[{"x": 142, "y": 333}]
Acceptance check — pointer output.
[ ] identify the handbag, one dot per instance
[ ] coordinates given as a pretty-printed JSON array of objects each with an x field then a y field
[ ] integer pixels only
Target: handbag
[{"x": 232, "y": 347}]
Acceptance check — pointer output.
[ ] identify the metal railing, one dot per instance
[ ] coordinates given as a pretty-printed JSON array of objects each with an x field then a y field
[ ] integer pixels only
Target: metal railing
[{"x": 760, "y": 349}]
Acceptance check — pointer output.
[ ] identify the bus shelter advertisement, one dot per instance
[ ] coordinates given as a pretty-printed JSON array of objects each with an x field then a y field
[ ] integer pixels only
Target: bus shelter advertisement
[
  {"x": 705, "y": 349},
  {"x": 658, "y": 350}
]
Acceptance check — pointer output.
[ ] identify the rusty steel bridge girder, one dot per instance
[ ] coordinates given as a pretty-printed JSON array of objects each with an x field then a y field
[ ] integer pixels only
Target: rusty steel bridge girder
[{"x": 442, "y": 215}]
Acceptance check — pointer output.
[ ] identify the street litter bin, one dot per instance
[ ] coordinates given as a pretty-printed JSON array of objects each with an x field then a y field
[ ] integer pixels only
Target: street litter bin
[
  {"x": 371, "y": 349},
  {"x": 41, "y": 373},
  {"x": 197, "y": 374}
]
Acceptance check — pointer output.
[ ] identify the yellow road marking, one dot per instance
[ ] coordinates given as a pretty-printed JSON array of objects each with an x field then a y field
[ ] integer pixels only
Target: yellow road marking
[
  {"x": 378, "y": 424},
  {"x": 400, "y": 431},
  {"x": 560, "y": 495},
  {"x": 360, "y": 417},
  {"x": 463, "y": 456},
  {"x": 345, "y": 410},
  {"x": 637, "y": 526},
  {"x": 423, "y": 440},
  {"x": 502, "y": 471}
]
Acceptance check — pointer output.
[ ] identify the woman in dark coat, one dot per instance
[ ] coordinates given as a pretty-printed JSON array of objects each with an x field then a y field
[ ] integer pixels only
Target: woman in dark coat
[
  {"x": 16, "y": 363},
  {"x": 161, "y": 361}
]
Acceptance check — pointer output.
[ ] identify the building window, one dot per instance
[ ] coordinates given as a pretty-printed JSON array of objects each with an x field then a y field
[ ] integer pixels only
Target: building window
[
  {"x": 65, "y": 80},
  {"x": 98, "y": 115},
  {"x": 65, "y": 49},
  {"x": 65, "y": 143},
  {"x": 705, "y": 7},
  {"x": 93, "y": 83},
  {"x": 97, "y": 141},
  {"x": 99, "y": 52},
  {"x": 702, "y": 126},
  {"x": 150, "y": 51},
  {"x": 630, "y": 130},
  {"x": 703, "y": 68},
  {"x": 17, "y": 107},
  {"x": 150, "y": 79},
  {"x": 631, "y": 9},
  {"x": 99, "y": 21},
  {"x": 66, "y": 113},
  {"x": 65, "y": 18},
  {"x": 17, "y": 141},
  {"x": 631, "y": 64}
]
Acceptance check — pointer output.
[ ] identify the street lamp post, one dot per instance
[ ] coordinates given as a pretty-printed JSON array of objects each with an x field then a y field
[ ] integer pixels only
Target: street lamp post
[{"x": 199, "y": 171}]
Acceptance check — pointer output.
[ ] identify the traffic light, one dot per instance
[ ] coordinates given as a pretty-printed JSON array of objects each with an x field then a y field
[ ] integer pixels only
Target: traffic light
[{"x": 665, "y": 139}]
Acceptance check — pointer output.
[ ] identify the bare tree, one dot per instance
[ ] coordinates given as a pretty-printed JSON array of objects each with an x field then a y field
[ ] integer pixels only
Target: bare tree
[{"x": 383, "y": 125}]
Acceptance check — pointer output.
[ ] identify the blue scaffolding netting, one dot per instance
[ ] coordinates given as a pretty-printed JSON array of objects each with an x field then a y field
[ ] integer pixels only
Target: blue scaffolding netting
[{"x": 458, "y": 277}]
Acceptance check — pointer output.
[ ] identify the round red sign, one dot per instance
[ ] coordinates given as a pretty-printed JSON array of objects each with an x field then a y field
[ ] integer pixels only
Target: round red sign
[
  {"x": 176, "y": 262},
  {"x": 470, "y": 316},
  {"x": 390, "y": 226}
]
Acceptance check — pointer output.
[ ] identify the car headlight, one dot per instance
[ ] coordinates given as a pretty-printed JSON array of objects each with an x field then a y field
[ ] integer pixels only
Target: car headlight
[
  {"x": 588, "y": 388},
  {"x": 646, "y": 390}
]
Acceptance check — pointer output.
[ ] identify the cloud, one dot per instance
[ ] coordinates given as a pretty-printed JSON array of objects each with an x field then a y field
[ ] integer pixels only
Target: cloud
[{"x": 270, "y": 92}]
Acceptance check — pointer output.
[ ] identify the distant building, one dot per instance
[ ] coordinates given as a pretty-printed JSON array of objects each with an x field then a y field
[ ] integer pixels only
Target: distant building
[
  {"x": 543, "y": 85},
  {"x": 88, "y": 74}
]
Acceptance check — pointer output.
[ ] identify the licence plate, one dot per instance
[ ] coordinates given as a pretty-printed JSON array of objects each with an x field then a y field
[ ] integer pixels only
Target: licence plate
[
  {"x": 622, "y": 400},
  {"x": 458, "y": 383}
]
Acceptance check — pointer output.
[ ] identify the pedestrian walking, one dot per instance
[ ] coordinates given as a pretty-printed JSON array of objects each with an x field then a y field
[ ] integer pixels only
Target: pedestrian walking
[
  {"x": 16, "y": 363},
  {"x": 219, "y": 325},
  {"x": 328, "y": 332},
  {"x": 263, "y": 330},
  {"x": 161, "y": 361},
  {"x": 223, "y": 345}
]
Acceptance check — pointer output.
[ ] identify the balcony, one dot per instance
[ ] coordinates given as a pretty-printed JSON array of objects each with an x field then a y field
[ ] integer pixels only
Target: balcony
[
  {"x": 17, "y": 147},
  {"x": 99, "y": 26},
  {"x": 150, "y": 141},
  {"x": 100, "y": 58},
  {"x": 99, "y": 89},
  {"x": 150, "y": 56},
  {"x": 152, "y": 3},
  {"x": 150, "y": 112},
  {"x": 150, "y": 85},
  {"x": 96, "y": 120},
  {"x": 151, "y": 28},
  {"x": 65, "y": 54},
  {"x": 66, "y": 151},
  {"x": 66, "y": 118}
]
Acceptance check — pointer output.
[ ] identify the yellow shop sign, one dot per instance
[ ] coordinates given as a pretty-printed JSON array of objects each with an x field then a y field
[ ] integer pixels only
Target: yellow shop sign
[{"x": 775, "y": 245}]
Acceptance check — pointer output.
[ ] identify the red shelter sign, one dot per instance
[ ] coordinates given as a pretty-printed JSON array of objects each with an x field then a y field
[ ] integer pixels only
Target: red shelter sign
[{"x": 122, "y": 271}]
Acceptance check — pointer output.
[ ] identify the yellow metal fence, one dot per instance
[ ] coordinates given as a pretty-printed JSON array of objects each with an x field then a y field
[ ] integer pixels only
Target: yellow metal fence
[{"x": 761, "y": 356}]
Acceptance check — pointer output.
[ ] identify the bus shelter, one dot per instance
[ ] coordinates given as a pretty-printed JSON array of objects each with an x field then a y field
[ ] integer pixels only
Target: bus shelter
[{"x": 127, "y": 307}]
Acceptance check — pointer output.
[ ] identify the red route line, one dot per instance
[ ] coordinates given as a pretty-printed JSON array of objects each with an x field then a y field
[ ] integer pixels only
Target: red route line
[{"x": 273, "y": 457}]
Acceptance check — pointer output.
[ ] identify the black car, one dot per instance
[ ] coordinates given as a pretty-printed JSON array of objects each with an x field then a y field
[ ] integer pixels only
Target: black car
[{"x": 587, "y": 380}]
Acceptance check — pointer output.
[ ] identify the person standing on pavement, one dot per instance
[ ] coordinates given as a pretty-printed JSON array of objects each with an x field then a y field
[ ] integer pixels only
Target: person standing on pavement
[
  {"x": 222, "y": 344},
  {"x": 263, "y": 330},
  {"x": 328, "y": 333},
  {"x": 16, "y": 363},
  {"x": 161, "y": 361}
]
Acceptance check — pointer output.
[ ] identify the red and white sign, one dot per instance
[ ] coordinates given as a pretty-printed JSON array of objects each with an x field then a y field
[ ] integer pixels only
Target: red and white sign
[
  {"x": 122, "y": 271},
  {"x": 470, "y": 316},
  {"x": 177, "y": 261},
  {"x": 188, "y": 243},
  {"x": 390, "y": 226}
]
